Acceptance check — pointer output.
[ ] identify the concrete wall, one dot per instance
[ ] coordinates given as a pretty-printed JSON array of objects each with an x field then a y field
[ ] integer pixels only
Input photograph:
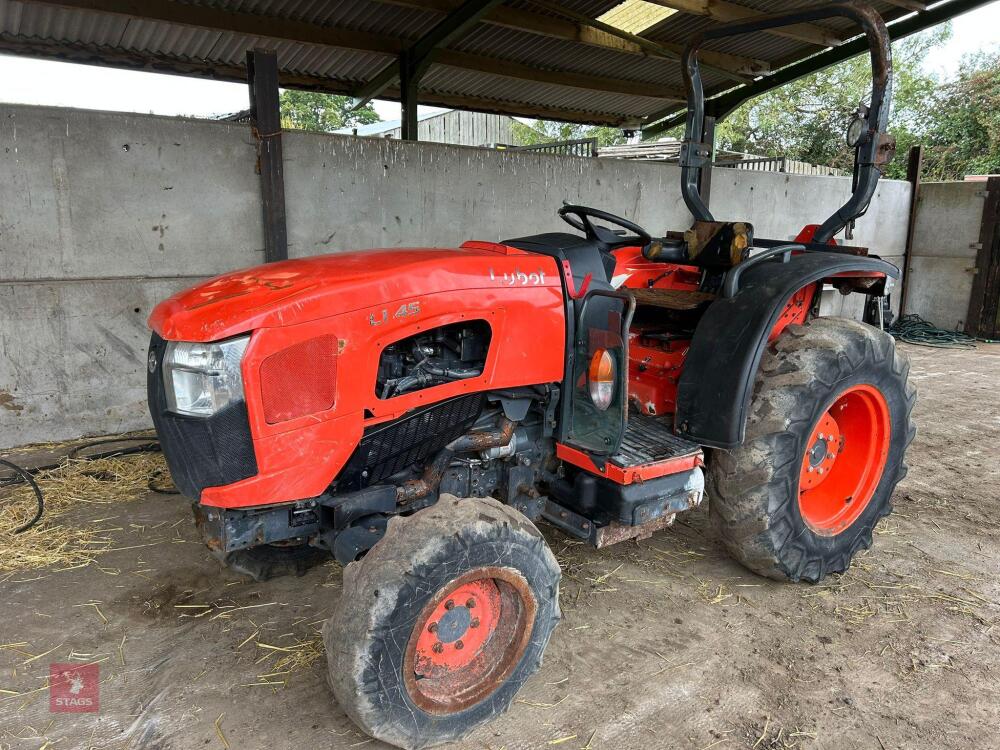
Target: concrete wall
[
  {"x": 779, "y": 205},
  {"x": 102, "y": 215},
  {"x": 949, "y": 217}
]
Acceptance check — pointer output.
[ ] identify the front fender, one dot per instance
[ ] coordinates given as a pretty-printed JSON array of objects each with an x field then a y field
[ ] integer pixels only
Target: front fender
[{"x": 717, "y": 380}]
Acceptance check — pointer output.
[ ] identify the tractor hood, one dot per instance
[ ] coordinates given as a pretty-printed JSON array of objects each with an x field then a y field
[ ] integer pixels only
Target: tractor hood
[{"x": 297, "y": 291}]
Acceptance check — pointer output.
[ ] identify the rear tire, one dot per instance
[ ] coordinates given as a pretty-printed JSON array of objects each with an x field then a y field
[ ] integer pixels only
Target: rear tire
[
  {"x": 441, "y": 623},
  {"x": 827, "y": 429}
]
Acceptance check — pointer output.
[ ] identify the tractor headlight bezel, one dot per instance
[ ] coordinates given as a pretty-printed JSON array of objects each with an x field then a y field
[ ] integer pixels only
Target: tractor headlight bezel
[{"x": 202, "y": 378}]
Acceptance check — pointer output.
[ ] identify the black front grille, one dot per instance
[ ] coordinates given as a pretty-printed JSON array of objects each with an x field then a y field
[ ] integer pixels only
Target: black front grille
[
  {"x": 387, "y": 449},
  {"x": 200, "y": 452}
]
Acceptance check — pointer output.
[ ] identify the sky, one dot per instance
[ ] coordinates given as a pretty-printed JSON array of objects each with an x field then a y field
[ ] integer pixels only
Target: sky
[{"x": 27, "y": 81}]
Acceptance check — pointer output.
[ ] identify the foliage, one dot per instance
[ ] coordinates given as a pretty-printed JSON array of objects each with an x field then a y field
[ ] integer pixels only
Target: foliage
[
  {"x": 546, "y": 131},
  {"x": 807, "y": 119},
  {"x": 965, "y": 134},
  {"x": 958, "y": 122},
  {"x": 311, "y": 110}
]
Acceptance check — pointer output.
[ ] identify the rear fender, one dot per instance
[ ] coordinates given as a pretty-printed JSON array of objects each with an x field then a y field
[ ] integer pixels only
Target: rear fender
[{"x": 715, "y": 386}]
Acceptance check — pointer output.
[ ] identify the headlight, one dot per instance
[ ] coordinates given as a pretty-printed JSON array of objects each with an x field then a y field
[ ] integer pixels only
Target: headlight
[{"x": 201, "y": 379}]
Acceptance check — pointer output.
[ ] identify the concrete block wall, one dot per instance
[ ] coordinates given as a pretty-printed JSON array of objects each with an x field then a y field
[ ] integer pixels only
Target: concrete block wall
[
  {"x": 943, "y": 263},
  {"x": 102, "y": 215}
]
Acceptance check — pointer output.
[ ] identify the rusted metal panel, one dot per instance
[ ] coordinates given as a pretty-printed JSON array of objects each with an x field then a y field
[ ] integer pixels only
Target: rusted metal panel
[{"x": 616, "y": 532}]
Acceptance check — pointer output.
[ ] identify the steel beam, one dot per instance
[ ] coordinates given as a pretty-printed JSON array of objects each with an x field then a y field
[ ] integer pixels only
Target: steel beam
[
  {"x": 418, "y": 56},
  {"x": 265, "y": 119},
  {"x": 264, "y": 27},
  {"x": 725, "y": 12},
  {"x": 591, "y": 33},
  {"x": 673, "y": 52},
  {"x": 88, "y": 54},
  {"x": 914, "y": 166}
]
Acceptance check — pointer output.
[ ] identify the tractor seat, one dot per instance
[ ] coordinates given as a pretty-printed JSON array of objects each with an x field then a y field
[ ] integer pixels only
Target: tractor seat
[{"x": 585, "y": 256}]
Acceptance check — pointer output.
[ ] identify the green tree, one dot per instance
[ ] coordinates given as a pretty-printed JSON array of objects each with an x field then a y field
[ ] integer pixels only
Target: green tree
[
  {"x": 964, "y": 130},
  {"x": 311, "y": 110},
  {"x": 807, "y": 119}
]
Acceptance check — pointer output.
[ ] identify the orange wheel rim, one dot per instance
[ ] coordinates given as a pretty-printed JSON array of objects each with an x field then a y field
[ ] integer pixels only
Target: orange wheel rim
[
  {"x": 844, "y": 460},
  {"x": 468, "y": 639}
]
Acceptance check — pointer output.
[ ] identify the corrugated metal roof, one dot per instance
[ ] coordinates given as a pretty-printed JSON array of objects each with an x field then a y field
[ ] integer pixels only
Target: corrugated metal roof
[{"x": 486, "y": 69}]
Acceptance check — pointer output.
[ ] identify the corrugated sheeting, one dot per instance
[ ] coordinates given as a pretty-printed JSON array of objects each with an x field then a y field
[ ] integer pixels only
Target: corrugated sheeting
[
  {"x": 136, "y": 39},
  {"x": 460, "y": 129}
]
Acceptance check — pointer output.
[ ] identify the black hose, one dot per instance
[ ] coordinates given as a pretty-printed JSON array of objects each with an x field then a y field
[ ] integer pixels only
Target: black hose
[
  {"x": 152, "y": 445},
  {"x": 25, "y": 476},
  {"x": 159, "y": 488},
  {"x": 20, "y": 474}
]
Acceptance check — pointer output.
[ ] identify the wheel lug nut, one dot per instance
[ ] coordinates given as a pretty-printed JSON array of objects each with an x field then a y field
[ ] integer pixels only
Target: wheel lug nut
[
  {"x": 432, "y": 628},
  {"x": 437, "y": 648},
  {"x": 449, "y": 604},
  {"x": 459, "y": 645},
  {"x": 470, "y": 603},
  {"x": 474, "y": 623}
]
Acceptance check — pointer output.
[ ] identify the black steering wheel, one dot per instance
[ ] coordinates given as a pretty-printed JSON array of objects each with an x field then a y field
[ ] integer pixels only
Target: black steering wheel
[{"x": 579, "y": 217}]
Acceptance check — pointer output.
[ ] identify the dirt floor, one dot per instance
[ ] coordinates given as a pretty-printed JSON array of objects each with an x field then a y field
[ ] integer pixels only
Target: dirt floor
[{"x": 663, "y": 643}]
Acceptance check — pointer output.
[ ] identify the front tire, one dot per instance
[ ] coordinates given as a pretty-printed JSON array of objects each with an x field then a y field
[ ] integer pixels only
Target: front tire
[
  {"x": 441, "y": 623},
  {"x": 827, "y": 430}
]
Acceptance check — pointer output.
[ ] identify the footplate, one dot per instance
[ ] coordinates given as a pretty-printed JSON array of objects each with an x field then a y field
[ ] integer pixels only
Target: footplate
[{"x": 649, "y": 449}]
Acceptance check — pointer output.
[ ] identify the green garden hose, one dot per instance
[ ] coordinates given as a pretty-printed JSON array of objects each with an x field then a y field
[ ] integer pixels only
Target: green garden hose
[{"x": 915, "y": 330}]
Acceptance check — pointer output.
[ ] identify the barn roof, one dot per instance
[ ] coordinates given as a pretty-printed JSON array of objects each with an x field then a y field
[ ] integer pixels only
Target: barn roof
[{"x": 536, "y": 58}]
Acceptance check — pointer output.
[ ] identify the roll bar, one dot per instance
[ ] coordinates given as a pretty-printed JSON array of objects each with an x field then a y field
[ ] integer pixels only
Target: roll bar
[{"x": 873, "y": 151}]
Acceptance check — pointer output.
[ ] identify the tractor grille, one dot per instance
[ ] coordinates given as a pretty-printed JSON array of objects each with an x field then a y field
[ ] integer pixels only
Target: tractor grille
[
  {"x": 411, "y": 440},
  {"x": 200, "y": 452},
  {"x": 649, "y": 440}
]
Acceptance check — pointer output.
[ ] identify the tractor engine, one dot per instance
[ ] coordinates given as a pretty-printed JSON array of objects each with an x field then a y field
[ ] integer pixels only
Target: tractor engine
[{"x": 452, "y": 352}]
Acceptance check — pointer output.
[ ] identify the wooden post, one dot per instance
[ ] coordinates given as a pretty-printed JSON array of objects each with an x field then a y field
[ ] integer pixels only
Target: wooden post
[
  {"x": 409, "y": 77},
  {"x": 983, "y": 320},
  {"x": 914, "y": 166},
  {"x": 265, "y": 120}
]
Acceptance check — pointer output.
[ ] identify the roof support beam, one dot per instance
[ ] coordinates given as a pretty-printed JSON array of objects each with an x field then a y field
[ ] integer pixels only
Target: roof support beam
[
  {"x": 673, "y": 52},
  {"x": 917, "y": 5},
  {"x": 265, "y": 117},
  {"x": 127, "y": 60},
  {"x": 524, "y": 72},
  {"x": 724, "y": 11},
  {"x": 583, "y": 33},
  {"x": 419, "y": 55},
  {"x": 723, "y": 105},
  {"x": 203, "y": 17}
]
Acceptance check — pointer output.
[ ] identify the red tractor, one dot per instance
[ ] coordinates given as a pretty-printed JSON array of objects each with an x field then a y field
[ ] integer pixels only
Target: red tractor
[{"x": 414, "y": 412}]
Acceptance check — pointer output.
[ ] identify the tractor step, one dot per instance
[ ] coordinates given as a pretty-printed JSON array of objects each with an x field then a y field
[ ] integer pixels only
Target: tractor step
[
  {"x": 649, "y": 449},
  {"x": 604, "y": 512}
]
